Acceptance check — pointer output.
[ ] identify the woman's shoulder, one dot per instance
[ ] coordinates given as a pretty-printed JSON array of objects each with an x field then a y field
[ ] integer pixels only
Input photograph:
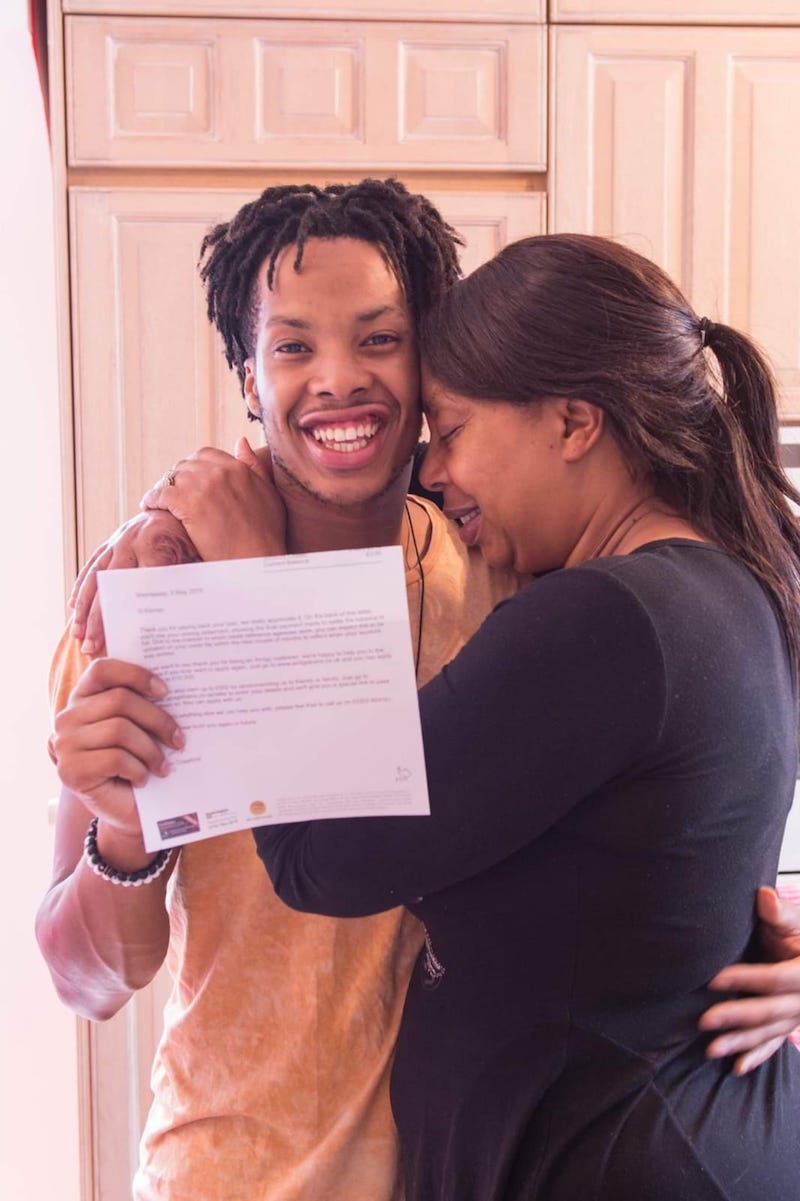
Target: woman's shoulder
[
  {"x": 643, "y": 593},
  {"x": 689, "y": 590},
  {"x": 678, "y": 567}
]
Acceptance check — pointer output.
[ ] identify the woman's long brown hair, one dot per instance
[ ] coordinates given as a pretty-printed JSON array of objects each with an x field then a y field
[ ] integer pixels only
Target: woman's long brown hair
[{"x": 577, "y": 316}]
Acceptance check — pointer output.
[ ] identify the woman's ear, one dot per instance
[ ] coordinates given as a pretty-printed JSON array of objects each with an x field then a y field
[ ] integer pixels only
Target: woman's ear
[
  {"x": 584, "y": 424},
  {"x": 250, "y": 392}
]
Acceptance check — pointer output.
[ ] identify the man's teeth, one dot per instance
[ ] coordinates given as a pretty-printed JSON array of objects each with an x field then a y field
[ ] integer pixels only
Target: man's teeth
[
  {"x": 346, "y": 438},
  {"x": 465, "y": 517}
]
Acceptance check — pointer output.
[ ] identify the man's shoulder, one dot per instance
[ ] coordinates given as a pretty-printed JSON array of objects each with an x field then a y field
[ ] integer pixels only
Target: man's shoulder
[
  {"x": 66, "y": 667},
  {"x": 446, "y": 552}
]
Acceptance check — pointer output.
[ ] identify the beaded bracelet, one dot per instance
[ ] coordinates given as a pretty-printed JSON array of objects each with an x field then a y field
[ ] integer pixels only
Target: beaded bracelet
[{"x": 143, "y": 875}]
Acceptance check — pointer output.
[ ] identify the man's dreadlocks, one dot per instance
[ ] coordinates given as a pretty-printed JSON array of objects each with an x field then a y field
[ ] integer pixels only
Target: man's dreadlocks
[{"x": 416, "y": 242}]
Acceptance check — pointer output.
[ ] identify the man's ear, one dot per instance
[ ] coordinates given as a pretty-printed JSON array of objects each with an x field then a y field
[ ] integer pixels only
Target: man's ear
[
  {"x": 250, "y": 392},
  {"x": 584, "y": 425}
]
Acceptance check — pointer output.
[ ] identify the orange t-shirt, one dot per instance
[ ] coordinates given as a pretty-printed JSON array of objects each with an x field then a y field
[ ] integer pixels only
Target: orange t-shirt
[{"x": 271, "y": 1078}]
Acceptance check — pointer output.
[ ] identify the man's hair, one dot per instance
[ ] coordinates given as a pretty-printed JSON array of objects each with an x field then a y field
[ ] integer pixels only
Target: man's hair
[{"x": 413, "y": 237}]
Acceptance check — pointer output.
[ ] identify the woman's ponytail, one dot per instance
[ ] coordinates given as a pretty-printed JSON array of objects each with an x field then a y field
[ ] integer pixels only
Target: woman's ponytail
[{"x": 753, "y": 514}]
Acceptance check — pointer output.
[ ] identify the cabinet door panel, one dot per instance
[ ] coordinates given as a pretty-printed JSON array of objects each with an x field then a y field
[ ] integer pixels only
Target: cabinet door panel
[
  {"x": 151, "y": 384},
  {"x": 489, "y": 220},
  {"x": 306, "y": 93},
  {"x": 762, "y": 193},
  {"x": 682, "y": 143},
  {"x": 677, "y": 12},
  {"x": 621, "y": 158}
]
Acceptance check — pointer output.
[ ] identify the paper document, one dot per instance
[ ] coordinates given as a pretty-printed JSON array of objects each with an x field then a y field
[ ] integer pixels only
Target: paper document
[{"x": 292, "y": 679}]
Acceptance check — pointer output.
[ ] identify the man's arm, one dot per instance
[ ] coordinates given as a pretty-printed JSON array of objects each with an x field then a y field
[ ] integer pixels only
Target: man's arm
[{"x": 101, "y": 942}]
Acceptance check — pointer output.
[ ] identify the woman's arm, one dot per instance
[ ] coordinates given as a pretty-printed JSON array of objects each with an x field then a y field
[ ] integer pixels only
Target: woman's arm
[
  {"x": 152, "y": 539},
  {"x": 230, "y": 504},
  {"x": 522, "y": 725},
  {"x": 755, "y": 1026}
]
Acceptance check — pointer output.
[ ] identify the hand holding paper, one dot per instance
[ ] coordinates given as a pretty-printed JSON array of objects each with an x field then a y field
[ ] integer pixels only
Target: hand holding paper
[{"x": 112, "y": 734}]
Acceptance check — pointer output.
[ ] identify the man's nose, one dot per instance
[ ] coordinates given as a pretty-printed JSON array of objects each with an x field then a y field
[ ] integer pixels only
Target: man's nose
[{"x": 341, "y": 377}]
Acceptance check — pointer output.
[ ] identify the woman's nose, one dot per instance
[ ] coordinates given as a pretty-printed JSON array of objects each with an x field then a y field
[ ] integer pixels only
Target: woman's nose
[{"x": 432, "y": 474}]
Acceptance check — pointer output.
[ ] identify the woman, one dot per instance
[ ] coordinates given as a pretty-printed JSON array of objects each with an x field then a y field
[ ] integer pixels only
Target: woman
[{"x": 620, "y": 735}]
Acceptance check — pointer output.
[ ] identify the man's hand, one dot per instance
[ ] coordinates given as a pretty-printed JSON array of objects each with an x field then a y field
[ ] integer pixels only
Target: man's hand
[
  {"x": 154, "y": 539},
  {"x": 228, "y": 504},
  {"x": 111, "y": 735},
  {"x": 756, "y": 1026}
]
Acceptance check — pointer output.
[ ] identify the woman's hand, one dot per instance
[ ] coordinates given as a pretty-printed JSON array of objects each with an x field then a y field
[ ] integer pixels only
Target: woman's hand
[
  {"x": 228, "y": 504},
  {"x": 112, "y": 735},
  {"x": 756, "y": 1026},
  {"x": 153, "y": 539}
]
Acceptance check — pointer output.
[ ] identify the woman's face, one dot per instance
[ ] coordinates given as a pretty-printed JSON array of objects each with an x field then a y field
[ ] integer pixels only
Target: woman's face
[{"x": 503, "y": 475}]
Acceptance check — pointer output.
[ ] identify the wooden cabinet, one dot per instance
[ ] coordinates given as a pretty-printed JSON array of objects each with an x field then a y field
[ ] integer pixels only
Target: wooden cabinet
[{"x": 682, "y": 142}]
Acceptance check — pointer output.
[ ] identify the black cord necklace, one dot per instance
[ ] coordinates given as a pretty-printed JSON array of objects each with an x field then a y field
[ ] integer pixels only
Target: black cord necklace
[{"x": 420, "y": 572}]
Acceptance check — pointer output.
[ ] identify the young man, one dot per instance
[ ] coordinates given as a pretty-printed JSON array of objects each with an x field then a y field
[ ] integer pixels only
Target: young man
[
  {"x": 325, "y": 349},
  {"x": 315, "y": 293}
]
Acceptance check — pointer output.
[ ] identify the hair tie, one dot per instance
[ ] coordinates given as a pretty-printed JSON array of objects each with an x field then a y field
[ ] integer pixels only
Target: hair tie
[{"x": 705, "y": 328}]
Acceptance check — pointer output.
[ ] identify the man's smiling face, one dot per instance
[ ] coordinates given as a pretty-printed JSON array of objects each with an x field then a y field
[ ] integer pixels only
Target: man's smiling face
[{"x": 335, "y": 375}]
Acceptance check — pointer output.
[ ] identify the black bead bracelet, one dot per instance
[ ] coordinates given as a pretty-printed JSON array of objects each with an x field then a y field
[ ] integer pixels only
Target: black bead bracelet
[{"x": 143, "y": 875}]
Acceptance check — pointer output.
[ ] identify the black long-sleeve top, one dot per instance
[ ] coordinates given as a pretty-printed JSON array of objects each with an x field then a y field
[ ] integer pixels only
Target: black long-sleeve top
[{"x": 610, "y": 763}]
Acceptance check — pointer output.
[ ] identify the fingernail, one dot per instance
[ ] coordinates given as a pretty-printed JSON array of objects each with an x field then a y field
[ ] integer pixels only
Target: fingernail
[
  {"x": 178, "y": 739},
  {"x": 88, "y": 646},
  {"x": 157, "y": 687}
]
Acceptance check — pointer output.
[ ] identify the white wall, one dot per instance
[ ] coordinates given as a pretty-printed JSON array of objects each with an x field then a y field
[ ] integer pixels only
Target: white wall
[{"x": 38, "y": 1073}]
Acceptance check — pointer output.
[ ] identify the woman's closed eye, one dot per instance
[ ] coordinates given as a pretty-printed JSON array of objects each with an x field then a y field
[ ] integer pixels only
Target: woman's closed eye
[{"x": 381, "y": 339}]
